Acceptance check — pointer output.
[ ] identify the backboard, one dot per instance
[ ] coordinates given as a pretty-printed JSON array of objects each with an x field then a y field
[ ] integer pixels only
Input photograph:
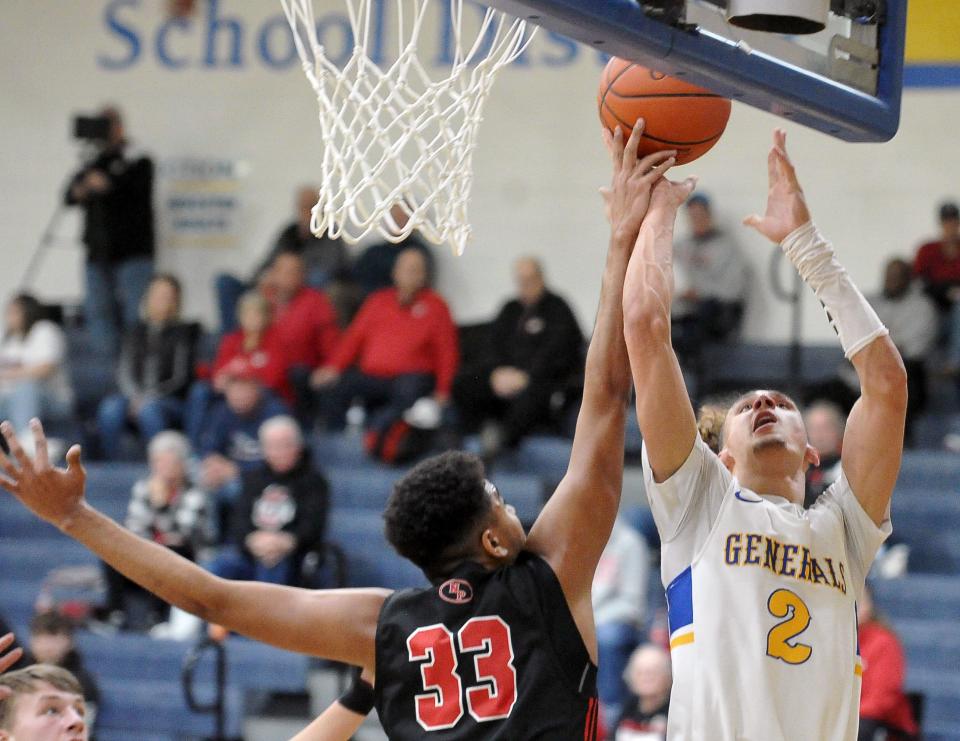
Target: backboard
[{"x": 845, "y": 81}]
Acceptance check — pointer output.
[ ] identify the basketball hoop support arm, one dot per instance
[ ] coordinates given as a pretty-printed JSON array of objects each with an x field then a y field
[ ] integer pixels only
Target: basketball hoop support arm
[{"x": 620, "y": 28}]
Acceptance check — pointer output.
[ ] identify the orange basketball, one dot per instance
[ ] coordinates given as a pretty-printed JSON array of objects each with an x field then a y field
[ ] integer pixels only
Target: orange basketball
[{"x": 678, "y": 115}]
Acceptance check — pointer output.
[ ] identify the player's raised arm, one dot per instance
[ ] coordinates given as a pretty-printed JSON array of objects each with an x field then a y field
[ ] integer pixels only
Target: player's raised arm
[
  {"x": 334, "y": 624},
  {"x": 666, "y": 418},
  {"x": 575, "y": 524},
  {"x": 873, "y": 441}
]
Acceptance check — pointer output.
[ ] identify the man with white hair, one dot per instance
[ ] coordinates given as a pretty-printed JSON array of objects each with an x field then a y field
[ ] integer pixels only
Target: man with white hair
[
  {"x": 648, "y": 675},
  {"x": 165, "y": 507},
  {"x": 282, "y": 511}
]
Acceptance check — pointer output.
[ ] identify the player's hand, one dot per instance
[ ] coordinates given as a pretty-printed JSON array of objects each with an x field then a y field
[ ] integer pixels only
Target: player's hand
[
  {"x": 668, "y": 196},
  {"x": 786, "y": 206},
  {"x": 7, "y": 660},
  {"x": 628, "y": 197},
  {"x": 53, "y": 494}
]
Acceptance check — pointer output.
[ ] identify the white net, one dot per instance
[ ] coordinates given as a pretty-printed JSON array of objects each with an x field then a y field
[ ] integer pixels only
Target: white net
[{"x": 397, "y": 143}]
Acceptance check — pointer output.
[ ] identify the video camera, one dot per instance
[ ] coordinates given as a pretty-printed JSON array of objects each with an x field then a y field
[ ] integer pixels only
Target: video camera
[{"x": 91, "y": 128}]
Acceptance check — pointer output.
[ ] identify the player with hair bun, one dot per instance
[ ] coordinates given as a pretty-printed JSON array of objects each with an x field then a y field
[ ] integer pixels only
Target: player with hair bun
[{"x": 761, "y": 592}]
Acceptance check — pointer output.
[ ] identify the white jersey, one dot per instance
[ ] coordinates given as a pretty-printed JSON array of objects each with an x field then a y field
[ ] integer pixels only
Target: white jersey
[{"x": 762, "y": 606}]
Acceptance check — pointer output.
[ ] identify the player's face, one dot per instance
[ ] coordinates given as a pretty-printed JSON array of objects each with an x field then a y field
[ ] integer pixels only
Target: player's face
[
  {"x": 48, "y": 714},
  {"x": 764, "y": 424},
  {"x": 507, "y": 523}
]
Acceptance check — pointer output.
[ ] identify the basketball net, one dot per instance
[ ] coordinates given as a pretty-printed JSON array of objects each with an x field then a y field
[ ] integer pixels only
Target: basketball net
[{"x": 394, "y": 136}]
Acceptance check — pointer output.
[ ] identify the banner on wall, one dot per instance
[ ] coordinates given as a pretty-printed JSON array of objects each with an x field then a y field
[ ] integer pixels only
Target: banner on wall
[
  {"x": 933, "y": 44},
  {"x": 200, "y": 200}
]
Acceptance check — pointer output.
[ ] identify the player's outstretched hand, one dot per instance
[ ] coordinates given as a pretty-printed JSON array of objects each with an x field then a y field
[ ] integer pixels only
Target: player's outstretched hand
[
  {"x": 7, "y": 660},
  {"x": 53, "y": 494},
  {"x": 628, "y": 197},
  {"x": 786, "y": 205},
  {"x": 668, "y": 196}
]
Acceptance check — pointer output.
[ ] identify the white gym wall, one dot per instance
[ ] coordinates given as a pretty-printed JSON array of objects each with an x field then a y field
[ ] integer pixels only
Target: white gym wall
[{"x": 241, "y": 103}]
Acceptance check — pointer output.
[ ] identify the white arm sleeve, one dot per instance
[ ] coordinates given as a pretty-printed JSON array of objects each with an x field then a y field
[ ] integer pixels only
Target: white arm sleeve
[
  {"x": 686, "y": 505},
  {"x": 862, "y": 537}
]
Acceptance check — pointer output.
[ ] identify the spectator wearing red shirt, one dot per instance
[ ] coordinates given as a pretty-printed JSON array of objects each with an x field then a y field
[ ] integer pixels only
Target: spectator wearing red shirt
[
  {"x": 938, "y": 262},
  {"x": 401, "y": 346},
  {"x": 256, "y": 346},
  {"x": 304, "y": 324},
  {"x": 885, "y": 711}
]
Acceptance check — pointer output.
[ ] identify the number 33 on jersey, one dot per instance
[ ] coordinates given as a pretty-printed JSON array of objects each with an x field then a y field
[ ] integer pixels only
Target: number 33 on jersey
[{"x": 485, "y": 656}]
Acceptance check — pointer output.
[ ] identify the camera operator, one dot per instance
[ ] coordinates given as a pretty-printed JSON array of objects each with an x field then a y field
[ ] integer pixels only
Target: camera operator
[{"x": 115, "y": 193}]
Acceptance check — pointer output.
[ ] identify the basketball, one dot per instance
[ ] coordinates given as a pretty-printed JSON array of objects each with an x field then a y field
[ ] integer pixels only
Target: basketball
[{"x": 678, "y": 115}]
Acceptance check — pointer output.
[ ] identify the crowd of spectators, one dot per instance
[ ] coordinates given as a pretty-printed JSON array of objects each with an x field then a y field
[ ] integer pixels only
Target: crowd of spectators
[{"x": 310, "y": 341}]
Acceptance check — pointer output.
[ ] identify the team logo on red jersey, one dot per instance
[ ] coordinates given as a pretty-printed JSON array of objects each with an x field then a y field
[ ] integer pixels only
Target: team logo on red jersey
[{"x": 456, "y": 591}]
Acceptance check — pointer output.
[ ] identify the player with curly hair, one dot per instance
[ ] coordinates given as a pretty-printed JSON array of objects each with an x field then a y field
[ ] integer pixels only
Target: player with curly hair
[{"x": 502, "y": 644}]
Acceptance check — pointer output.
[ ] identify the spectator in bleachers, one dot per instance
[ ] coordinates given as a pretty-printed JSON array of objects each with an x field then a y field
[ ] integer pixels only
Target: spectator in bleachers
[
  {"x": 42, "y": 703},
  {"x": 912, "y": 320},
  {"x": 619, "y": 599},
  {"x": 401, "y": 346},
  {"x": 282, "y": 512},
  {"x": 33, "y": 373},
  {"x": 255, "y": 343},
  {"x": 535, "y": 349},
  {"x": 326, "y": 261},
  {"x": 51, "y": 642},
  {"x": 374, "y": 268},
  {"x": 825, "y": 423},
  {"x": 156, "y": 368},
  {"x": 711, "y": 276},
  {"x": 885, "y": 711},
  {"x": 304, "y": 322},
  {"x": 165, "y": 508},
  {"x": 937, "y": 262},
  {"x": 115, "y": 192},
  {"x": 644, "y": 718},
  {"x": 229, "y": 444}
]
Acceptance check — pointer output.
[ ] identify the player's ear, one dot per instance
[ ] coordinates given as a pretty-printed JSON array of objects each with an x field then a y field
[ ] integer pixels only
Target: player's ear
[
  {"x": 493, "y": 544},
  {"x": 811, "y": 456},
  {"x": 726, "y": 458},
  {"x": 4, "y": 736}
]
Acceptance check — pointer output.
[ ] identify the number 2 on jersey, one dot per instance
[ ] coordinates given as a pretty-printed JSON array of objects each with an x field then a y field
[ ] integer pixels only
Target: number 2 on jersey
[
  {"x": 785, "y": 604},
  {"x": 488, "y": 639}
]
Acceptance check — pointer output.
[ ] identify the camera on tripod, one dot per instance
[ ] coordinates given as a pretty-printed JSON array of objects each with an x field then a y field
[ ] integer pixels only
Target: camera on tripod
[{"x": 95, "y": 129}]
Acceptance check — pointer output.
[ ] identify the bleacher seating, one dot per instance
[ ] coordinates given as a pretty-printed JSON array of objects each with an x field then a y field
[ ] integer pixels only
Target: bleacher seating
[{"x": 141, "y": 678}]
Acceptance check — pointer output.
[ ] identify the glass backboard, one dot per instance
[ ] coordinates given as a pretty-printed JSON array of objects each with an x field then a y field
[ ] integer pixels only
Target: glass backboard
[{"x": 845, "y": 81}]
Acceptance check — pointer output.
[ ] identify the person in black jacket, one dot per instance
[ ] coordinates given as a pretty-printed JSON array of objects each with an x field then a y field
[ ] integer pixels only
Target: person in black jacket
[
  {"x": 156, "y": 367},
  {"x": 116, "y": 194},
  {"x": 281, "y": 514},
  {"x": 535, "y": 348}
]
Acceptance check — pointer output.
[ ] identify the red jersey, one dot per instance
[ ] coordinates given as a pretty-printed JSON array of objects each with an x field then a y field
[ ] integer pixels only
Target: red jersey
[
  {"x": 388, "y": 338},
  {"x": 881, "y": 691},
  {"x": 306, "y": 328},
  {"x": 267, "y": 360}
]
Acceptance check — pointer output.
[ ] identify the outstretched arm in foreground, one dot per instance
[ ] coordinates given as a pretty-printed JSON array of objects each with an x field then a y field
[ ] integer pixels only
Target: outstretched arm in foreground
[
  {"x": 667, "y": 421},
  {"x": 873, "y": 441},
  {"x": 337, "y": 624},
  {"x": 575, "y": 525}
]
